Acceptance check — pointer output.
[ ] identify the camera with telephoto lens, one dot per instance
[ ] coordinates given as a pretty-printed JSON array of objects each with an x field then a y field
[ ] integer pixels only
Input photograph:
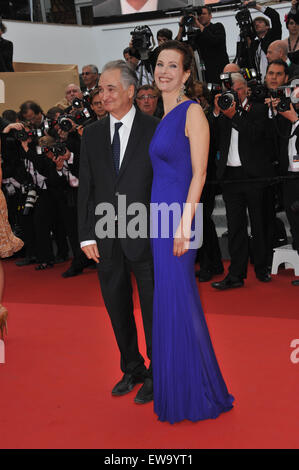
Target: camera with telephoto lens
[
  {"x": 31, "y": 192},
  {"x": 142, "y": 40},
  {"x": 244, "y": 21},
  {"x": 59, "y": 148},
  {"x": 226, "y": 100}
]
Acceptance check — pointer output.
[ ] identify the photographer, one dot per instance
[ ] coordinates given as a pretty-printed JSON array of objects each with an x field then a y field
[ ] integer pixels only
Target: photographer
[
  {"x": 67, "y": 165},
  {"x": 243, "y": 135},
  {"x": 6, "y": 51},
  {"x": 278, "y": 50},
  {"x": 286, "y": 123},
  {"x": 265, "y": 35},
  {"x": 72, "y": 91},
  {"x": 32, "y": 113},
  {"x": 292, "y": 42},
  {"x": 210, "y": 41},
  {"x": 35, "y": 175}
]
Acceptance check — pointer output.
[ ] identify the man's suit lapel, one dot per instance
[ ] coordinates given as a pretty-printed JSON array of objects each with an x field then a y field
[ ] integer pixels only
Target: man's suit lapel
[{"x": 135, "y": 135}]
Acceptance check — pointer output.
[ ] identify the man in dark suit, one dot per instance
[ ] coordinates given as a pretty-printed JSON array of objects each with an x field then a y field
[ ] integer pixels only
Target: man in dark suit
[
  {"x": 265, "y": 35},
  {"x": 210, "y": 41},
  {"x": 243, "y": 155},
  {"x": 6, "y": 51},
  {"x": 115, "y": 166},
  {"x": 114, "y": 7},
  {"x": 279, "y": 50},
  {"x": 287, "y": 123}
]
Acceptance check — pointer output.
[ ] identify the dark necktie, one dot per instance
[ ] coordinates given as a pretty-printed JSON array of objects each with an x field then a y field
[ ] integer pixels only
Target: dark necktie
[{"x": 116, "y": 146}]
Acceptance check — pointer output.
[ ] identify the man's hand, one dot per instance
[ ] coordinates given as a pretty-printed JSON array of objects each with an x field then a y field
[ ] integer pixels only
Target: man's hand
[
  {"x": 92, "y": 252},
  {"x": 256, "y": 6},
  {"x": 62, "y": 134},
  {"x": 272, "y": 101},
  {"x": 15, "y": 125},
  {"x": 217, "y": 110},
  {"x": 230, "y": 112},
  {"x": 198, "y": 24},
  {"x": 59, "y": 162},
  {"x": 290, "y": 114}
]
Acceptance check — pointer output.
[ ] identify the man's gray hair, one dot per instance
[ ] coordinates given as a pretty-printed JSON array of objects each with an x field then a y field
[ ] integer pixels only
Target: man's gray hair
[
  {"x": 237, "y": 77},
  {"x": 94, "y": 68},
  {"x": 127, "y": 73}
]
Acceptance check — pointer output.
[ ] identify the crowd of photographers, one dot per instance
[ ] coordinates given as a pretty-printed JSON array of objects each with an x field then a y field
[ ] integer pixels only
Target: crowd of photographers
[{"x": 251, "y": 105}]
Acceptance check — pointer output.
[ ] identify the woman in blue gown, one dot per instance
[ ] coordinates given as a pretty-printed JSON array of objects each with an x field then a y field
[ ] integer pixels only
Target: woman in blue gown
[{"x": 187, "y": 380}]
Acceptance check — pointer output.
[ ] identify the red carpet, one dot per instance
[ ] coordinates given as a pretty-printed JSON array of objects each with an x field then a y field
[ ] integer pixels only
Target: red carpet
[{"x": 62, "y": 361}]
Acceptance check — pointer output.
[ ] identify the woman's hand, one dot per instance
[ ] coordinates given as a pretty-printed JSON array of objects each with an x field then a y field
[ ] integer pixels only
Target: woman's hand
[{"x": 181, "y": 241}]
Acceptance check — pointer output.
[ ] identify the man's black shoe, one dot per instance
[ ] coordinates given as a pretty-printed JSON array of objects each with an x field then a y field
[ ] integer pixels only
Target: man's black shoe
[
  {"x": 264, "y": 277},
  {"x": 228, "y": 283},
  {"x": 126, "y": 385},
  {"x": 71, "y": 272},
  {"x": 146, "y": 392},
  {"x": 295, "y": 282},
  {"x": 26, "y": 262}
]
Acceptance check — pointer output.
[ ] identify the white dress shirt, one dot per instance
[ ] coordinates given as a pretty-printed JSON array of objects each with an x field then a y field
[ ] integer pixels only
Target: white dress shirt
[
  {"x": 233, "y": 158},
  {"x": 293, "y": 165},
  {"x": 124, "y": 134},
  {"x": 126, "y": 8},
  {"x": 124, "y": 130}
]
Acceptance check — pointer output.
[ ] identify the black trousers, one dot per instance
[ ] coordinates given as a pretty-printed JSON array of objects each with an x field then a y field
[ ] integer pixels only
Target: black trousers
[
  {"x": 239, "y": 197},
  {"x": 209, "y": 255},
  {"x": 116, "y": 285},
  {"x": 290, "y": 195},
  {"x": 37, "y": 227}
]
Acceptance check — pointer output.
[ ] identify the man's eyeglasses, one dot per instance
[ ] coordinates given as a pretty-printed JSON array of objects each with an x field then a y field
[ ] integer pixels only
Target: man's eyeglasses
[
  {"x": 145, "y": 97},
  {"x": 86, "y": 73}
]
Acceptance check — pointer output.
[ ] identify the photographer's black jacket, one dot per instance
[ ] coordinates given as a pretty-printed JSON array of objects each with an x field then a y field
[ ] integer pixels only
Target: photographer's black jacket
[
  {"x": 211, "y": 45},
  {"x": 6, "y": 53},
  {"x": 254, "y": 143},
  {"x": 273, "y": 34}
]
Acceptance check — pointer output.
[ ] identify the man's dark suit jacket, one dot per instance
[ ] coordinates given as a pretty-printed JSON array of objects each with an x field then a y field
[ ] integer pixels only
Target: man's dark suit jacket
[
  {"x": 6, "y": 53},
  {"x": 211, "y": 45},
  {"x": 254, "y": 141},
  {"x": 112, "y": 7},
  {"x": 99, "y": 182}
]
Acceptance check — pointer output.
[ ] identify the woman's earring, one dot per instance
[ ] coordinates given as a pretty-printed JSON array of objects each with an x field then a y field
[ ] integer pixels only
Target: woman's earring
[{"x": 181, "y": 94}]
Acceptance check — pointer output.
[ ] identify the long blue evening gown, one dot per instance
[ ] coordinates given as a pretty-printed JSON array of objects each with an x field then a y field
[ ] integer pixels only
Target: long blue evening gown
[{"x": 187, "y": 380}]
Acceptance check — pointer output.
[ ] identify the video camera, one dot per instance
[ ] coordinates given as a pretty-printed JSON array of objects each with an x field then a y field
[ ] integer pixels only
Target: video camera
[
  {"x": 244, "y": 21},
  {"x": 189, "y": 14},
  {"x": 143, "y": 40}
]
